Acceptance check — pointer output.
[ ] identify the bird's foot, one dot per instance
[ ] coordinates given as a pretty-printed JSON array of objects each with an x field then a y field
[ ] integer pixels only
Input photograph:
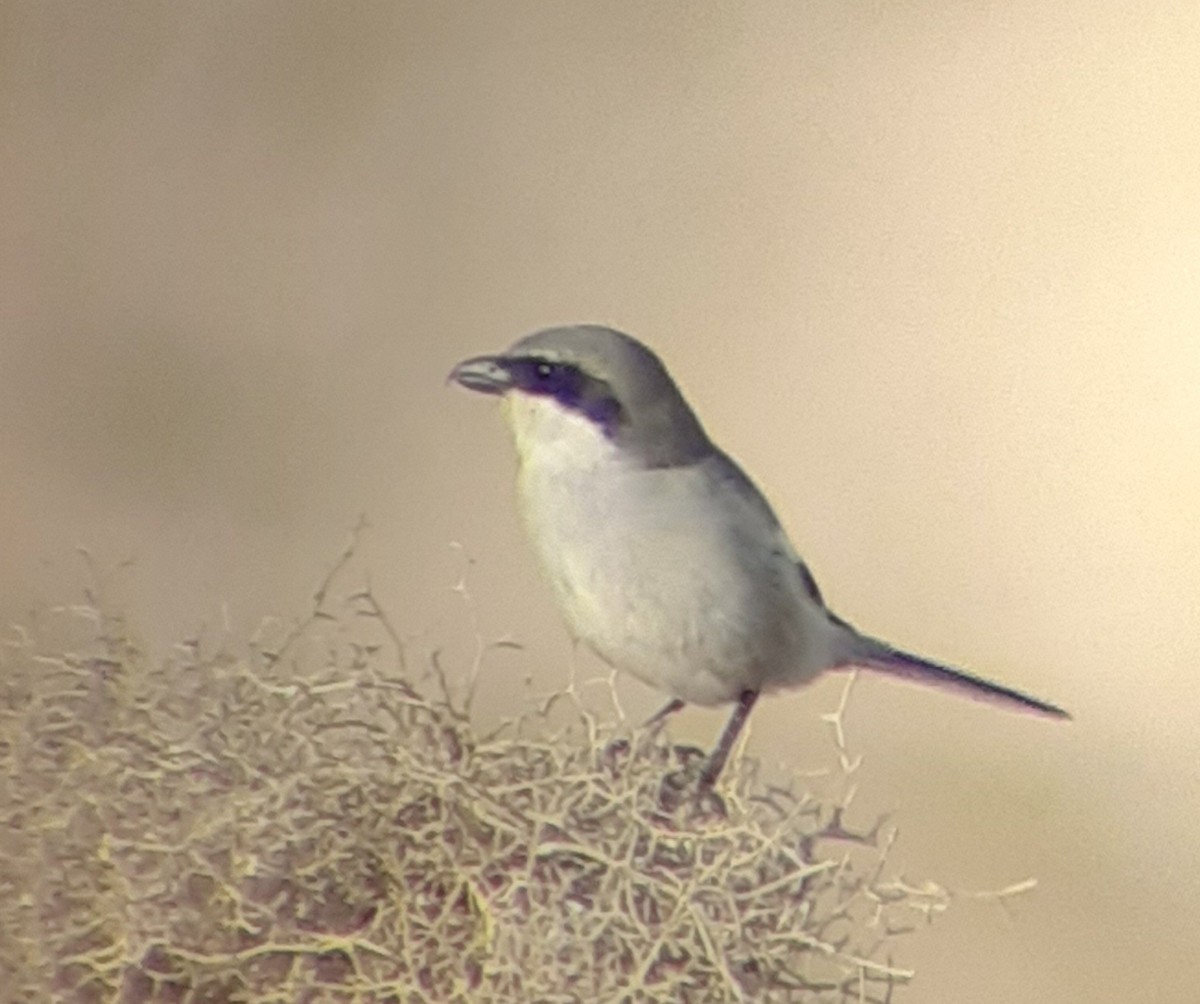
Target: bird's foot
[{"x": 691, "y": 782}]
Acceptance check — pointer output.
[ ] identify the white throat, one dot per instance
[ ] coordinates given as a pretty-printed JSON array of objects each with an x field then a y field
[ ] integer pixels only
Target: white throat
[{"x": 548, "y": 434}]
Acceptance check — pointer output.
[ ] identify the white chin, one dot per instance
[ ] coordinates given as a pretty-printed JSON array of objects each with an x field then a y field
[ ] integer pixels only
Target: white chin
[{"x": 542, "y": 429}]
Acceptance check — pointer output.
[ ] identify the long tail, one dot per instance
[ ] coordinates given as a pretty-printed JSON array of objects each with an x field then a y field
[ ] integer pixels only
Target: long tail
[{"x": 873, "y": 654}]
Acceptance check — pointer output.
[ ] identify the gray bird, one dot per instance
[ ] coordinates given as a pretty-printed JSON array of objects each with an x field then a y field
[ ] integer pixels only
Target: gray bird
[{"x": 664, "y": 557}]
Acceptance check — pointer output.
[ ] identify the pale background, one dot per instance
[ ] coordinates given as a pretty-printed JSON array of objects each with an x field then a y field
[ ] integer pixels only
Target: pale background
[{"x": 930, "y": 270}]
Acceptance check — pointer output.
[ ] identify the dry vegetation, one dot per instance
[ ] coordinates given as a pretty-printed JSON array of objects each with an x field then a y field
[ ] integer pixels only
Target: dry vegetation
[{"x": 318, "y": 821}]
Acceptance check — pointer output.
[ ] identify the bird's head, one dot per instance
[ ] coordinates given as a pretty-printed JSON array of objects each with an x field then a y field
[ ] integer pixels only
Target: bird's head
[{"x": 589, "y": 388}]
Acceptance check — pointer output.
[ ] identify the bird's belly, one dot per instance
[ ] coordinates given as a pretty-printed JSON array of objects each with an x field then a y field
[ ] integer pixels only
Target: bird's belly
[
  {"x": 665, "y": 595},
  {"x": 669, "y": 639}
]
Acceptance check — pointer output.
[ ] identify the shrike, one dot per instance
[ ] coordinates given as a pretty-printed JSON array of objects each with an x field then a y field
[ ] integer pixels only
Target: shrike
[{"x": 664, "y": 557}]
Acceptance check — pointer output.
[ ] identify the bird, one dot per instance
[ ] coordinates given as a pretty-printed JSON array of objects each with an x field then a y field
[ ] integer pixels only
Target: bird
[{"x": 663, "y": 556}]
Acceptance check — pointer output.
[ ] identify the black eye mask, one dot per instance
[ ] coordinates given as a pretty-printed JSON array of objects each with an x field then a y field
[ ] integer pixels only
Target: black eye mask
[{"x": 569, "y": 386}]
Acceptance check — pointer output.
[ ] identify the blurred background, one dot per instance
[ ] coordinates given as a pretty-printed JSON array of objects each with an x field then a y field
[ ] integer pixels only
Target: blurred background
[{"x": 930, "y": 271}]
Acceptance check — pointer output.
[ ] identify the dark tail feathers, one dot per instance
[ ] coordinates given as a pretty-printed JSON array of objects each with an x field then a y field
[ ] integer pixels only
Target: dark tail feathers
[{"x": 879, "y": 656}]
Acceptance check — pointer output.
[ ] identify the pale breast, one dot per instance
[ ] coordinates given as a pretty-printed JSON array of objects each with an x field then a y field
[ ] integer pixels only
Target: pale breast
[{"x": 669, "y": 574}]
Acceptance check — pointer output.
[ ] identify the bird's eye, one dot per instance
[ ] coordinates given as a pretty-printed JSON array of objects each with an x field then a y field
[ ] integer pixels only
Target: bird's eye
[{"x": 551, "y": 378}]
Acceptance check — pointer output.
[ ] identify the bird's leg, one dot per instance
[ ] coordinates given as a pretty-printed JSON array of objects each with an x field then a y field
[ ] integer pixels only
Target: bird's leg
[
  {"x": 652, "y": 725},
  {"x": 733, "y": 728},
  {"x": 662, "y": 714}
]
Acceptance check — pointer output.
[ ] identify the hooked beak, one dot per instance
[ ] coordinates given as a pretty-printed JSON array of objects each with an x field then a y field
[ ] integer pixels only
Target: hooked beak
[{"x": 486, "y": 374}]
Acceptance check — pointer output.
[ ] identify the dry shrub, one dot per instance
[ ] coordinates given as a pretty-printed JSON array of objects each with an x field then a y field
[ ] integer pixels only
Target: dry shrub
[{"x": 318, "y": 823}]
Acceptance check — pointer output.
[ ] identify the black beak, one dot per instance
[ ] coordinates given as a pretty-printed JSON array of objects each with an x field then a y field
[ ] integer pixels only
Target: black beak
[{"x": 486, "y": 374}]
